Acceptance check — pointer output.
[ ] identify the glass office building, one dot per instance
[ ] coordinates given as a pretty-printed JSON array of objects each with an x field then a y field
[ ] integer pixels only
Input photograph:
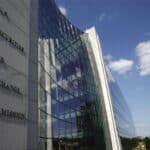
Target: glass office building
[
  {"x": 80, "y": 108},
  {"x": 56, "y": 92}
]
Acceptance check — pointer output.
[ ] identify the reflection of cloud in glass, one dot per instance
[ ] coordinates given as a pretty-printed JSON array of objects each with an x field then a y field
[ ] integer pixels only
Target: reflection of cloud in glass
[{"x": 109, "y": 75}]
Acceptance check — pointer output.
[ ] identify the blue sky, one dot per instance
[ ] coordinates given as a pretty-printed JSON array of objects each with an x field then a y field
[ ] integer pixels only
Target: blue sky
[{"x": 124, "y": 30}]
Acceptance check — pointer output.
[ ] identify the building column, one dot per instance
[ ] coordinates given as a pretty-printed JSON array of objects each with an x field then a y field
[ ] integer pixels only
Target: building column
[{"x": 48, "y": 96}]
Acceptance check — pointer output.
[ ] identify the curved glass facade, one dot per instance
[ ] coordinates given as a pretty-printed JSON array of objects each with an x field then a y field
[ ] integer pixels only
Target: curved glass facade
[
  {"x": 123, "y": 116},
  {"x": 71, "y": 115},
  {"x": 68, "y": 99}
]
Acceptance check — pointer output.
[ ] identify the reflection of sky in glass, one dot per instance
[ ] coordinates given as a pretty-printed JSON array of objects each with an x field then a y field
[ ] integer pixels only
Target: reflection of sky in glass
[
  {"x": 122, "y": 25},
  {"x": 73, "y": 91},
  {"x": 123, "y": 115}
]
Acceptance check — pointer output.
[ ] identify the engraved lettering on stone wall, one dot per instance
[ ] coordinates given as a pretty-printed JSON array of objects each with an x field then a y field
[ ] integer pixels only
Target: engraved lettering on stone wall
[
  {"x": 12, "y": 114},
  {"x": 10, "y": 87},
  {"x": 2, "y": 60},
  {"x": 4, "y": 13},
  {"x": 11, "y": 41}
]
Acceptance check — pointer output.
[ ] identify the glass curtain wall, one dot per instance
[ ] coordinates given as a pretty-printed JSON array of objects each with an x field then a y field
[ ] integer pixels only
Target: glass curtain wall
[
  {"x": 69, "y": 113},
  {"x": 123, "y": 116}
]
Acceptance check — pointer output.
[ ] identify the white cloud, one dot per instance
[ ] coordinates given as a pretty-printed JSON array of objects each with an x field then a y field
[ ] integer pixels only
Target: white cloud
[
  {"x": 143, "y": 53},
  {"x": 101, "y": 17},
  {"x": 63, "y": 10},
  {"x": 108, "y": 57},
  {"x": 121, "y": 66},
  {"x": 107, "y": 17}
]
